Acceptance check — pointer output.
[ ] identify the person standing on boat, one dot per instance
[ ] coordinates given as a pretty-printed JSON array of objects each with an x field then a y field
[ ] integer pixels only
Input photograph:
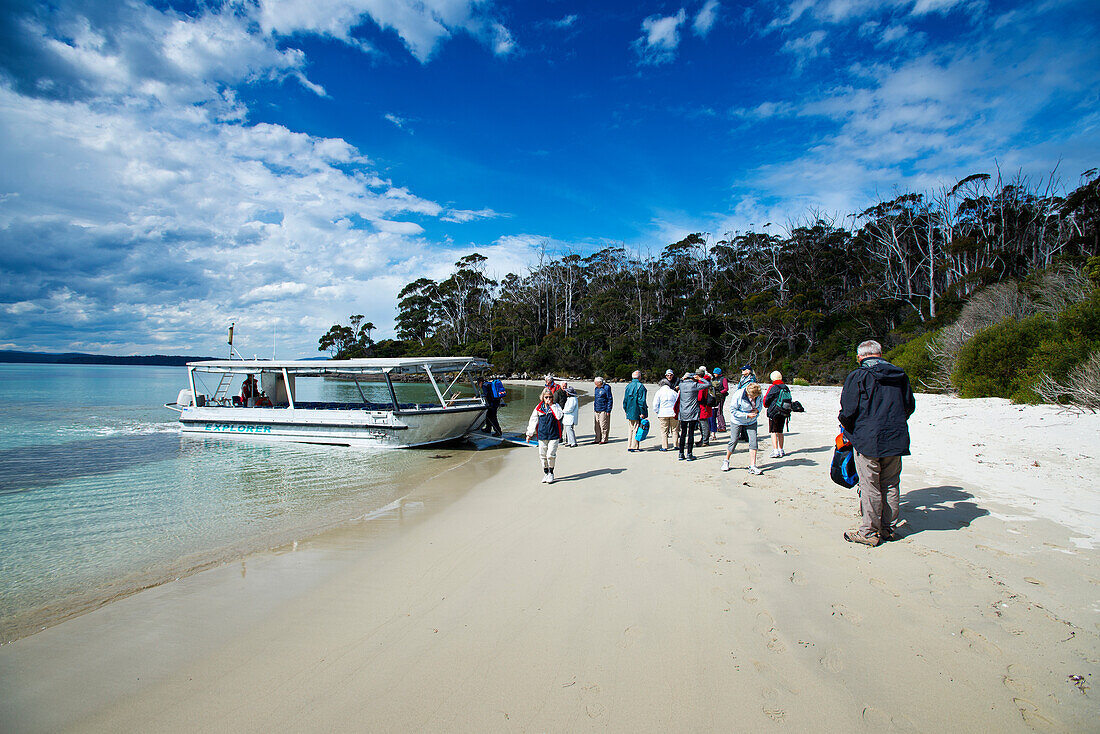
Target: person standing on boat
[
  {"x": 601, "y": 405},
  {"x": 492, "y": 425},
  {"x": 545, "y": 423},
  {"x": 249, "y": 391}
]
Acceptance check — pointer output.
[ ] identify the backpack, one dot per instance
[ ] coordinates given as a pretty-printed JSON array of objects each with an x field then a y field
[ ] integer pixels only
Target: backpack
[
  {"x": 843, "y": 469},
  {"x": 782, "y": 406},
  {"x": 497, "y": 389},
  {"x": 643, "y": 430}
]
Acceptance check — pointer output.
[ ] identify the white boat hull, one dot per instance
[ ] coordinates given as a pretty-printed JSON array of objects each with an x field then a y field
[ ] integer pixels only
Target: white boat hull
[{"x": 338, "y": 427}]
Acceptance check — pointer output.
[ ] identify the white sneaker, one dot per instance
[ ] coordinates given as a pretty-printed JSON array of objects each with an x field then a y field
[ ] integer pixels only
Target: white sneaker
[
  {"x": 550, "y": 478},
  {"x": 755, "y": 470},
  {"x": 546, "y": 477},
  {"x": 782, "y": 453},
  {"x": 725, "y": 466},
  {"x": 776, "y": 454}
]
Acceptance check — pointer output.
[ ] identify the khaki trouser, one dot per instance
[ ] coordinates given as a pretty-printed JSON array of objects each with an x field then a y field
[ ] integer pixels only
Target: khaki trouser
[
  {"x": 879, "y": 492},
  {"x": 670, "y": 431},
  {"x": 632, "y": 438},
  {"x": 603, "y": 427}
]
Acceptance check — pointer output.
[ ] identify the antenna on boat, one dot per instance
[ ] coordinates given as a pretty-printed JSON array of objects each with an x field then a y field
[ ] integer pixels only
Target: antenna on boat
[
  {"x": 274, "y": 326},
  {"x": 233, "y": 351}
]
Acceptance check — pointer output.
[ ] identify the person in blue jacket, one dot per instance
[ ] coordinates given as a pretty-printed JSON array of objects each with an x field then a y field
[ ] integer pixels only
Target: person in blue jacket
[
  {"x": 634, "y": 405},
  {"x": 601, "y": 404}
]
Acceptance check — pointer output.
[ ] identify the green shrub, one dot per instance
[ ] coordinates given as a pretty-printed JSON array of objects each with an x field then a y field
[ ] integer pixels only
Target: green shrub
[
  {"x": 914, "y": 358},
  {"x": 801, "y": 382},
  {"x": 995, "y": 362}
]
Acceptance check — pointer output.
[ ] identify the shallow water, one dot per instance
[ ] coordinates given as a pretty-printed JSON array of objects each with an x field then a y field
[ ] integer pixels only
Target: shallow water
[{"x": 100, "y": 494}]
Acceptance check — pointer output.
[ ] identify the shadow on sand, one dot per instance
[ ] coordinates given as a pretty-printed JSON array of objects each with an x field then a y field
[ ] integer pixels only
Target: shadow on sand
[
  {"x": 938, "y": 508},
  {"x": 588, "y": 475}
]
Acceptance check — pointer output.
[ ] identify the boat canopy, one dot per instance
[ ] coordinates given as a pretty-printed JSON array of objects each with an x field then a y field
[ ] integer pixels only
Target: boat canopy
[{"x": 319, "y": 368}]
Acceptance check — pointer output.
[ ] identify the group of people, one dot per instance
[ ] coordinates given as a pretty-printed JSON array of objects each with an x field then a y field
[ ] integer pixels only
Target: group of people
[
  {"x": 695, "y": 403},
  {"x": 875, "y": 404}
]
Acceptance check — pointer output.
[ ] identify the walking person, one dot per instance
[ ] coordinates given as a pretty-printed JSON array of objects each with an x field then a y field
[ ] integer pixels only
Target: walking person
[
  {"x": 492, "y": 425},
  {"x": 689, "y": 411},
  {"x": 571, "y": 413},
  {"x": 635, "y": 407},
  {"x": 721, "y": 392},
  {"x": 601, "y": 405},
  {"x": 545, "y": 423},
  {"x": 664, "y": 407},
  {"x": 745, "y": 407},
  {"x": 875, "y": 405},
  {"x": 706, "y": 414},
  {"x": 777, "y": 405}
]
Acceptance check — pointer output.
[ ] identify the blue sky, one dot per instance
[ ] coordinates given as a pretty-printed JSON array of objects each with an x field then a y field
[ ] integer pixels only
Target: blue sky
[{"x": 168, "y": 167}]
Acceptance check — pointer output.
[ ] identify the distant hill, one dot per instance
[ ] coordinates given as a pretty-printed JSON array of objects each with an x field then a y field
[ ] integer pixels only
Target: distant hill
[{"x": 167, "y": 360}]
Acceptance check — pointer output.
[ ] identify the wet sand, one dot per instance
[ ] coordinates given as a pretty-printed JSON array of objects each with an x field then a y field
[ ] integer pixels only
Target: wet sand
[{"x": 638, "y": 593}]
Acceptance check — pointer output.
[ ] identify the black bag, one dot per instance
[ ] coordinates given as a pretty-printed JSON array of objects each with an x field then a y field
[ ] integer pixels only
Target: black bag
[{"x": 796, "y": 407}]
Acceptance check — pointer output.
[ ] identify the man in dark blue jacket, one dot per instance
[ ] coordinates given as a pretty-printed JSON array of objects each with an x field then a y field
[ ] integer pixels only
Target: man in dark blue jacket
[
  {"x": 601, "y": 407},
  {"x": 875, "y": 406}
]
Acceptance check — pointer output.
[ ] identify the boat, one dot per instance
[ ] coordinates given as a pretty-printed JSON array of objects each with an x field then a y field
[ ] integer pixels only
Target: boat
[{"x": 270, "y": 409}]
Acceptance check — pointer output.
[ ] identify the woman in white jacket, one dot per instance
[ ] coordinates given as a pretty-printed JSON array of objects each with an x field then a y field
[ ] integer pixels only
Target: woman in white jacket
[
  {"x": 664, "y": 407},
  {"x": 545, "y": 424},
  {"x": 571, "y": 411}
]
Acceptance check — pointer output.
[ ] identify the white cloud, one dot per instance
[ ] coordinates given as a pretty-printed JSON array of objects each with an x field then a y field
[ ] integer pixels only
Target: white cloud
[
  {"x": 705, "y": 18},
  {"x": 420, "y": 24},
  {"x": 660, "y": 38},
  {"x": 461, "y": 216},
  {"x": 943, "y": 114},
  {"x": 400, "y": 122},
  {"x": 806, "y": 47},
  {"x": 566, "y": 22}
]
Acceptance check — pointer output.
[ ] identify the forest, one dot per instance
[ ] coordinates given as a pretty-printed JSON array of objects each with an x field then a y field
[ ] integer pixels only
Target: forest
[{"x": 796, "y": 297}]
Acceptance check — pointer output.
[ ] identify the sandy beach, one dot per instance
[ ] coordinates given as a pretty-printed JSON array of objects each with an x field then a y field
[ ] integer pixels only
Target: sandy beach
[{"x": 638, "y": 593}]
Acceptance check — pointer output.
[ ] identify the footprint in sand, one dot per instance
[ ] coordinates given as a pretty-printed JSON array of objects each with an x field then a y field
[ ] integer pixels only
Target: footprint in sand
[
  {"x": 839, "y": 610},
  {"x": 748, "y": 595},
  {"x": 785, "y": 550},
  {"x": 1033, "y": 716},
  {"x": 765, "y": 627},
  {"x": 879, "y": 720},
  {"x": 831, "y": 661},
  {"x": 879, "y": 583},
  {"x": 1017, "y": 686},
  {"x": 798, "y": 578},
  {"x": 592, "y": 707},
  {"x": 979, "y": 643},
  {"x": 772, "y": 708}
]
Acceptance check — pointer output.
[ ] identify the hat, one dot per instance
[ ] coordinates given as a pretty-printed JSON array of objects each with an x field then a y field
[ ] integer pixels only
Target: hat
[
  {"x": 747, "y": 367},
  {"x": 700, "y": 370},
  {"x": 717, "y": 371},
  {"x": 570, "y": 392},
  {"x": 669, "y": 372}
]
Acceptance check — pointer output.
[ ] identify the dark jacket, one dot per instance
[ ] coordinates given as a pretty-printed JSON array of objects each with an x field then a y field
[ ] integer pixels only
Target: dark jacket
[
  {"x": 602, "y": 401},
  {"x": 875, "y": 405},
  {"x": 487, "y": 393},
  {"x": 634, "y": 402}
]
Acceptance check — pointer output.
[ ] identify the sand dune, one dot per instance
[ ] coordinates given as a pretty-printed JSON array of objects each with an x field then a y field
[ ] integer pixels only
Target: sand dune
[{"x": 638, "y": 593}]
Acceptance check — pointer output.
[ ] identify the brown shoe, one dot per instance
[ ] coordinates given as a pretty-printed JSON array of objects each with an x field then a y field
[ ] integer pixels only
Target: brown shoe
[
  {"x": 853, "y": 536},
  {"x": 888, "y": 535}
]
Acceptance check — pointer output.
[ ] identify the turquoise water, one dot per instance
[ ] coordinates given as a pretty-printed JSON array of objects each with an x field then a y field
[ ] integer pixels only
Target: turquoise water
[{"x": 100, "y": 493}]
